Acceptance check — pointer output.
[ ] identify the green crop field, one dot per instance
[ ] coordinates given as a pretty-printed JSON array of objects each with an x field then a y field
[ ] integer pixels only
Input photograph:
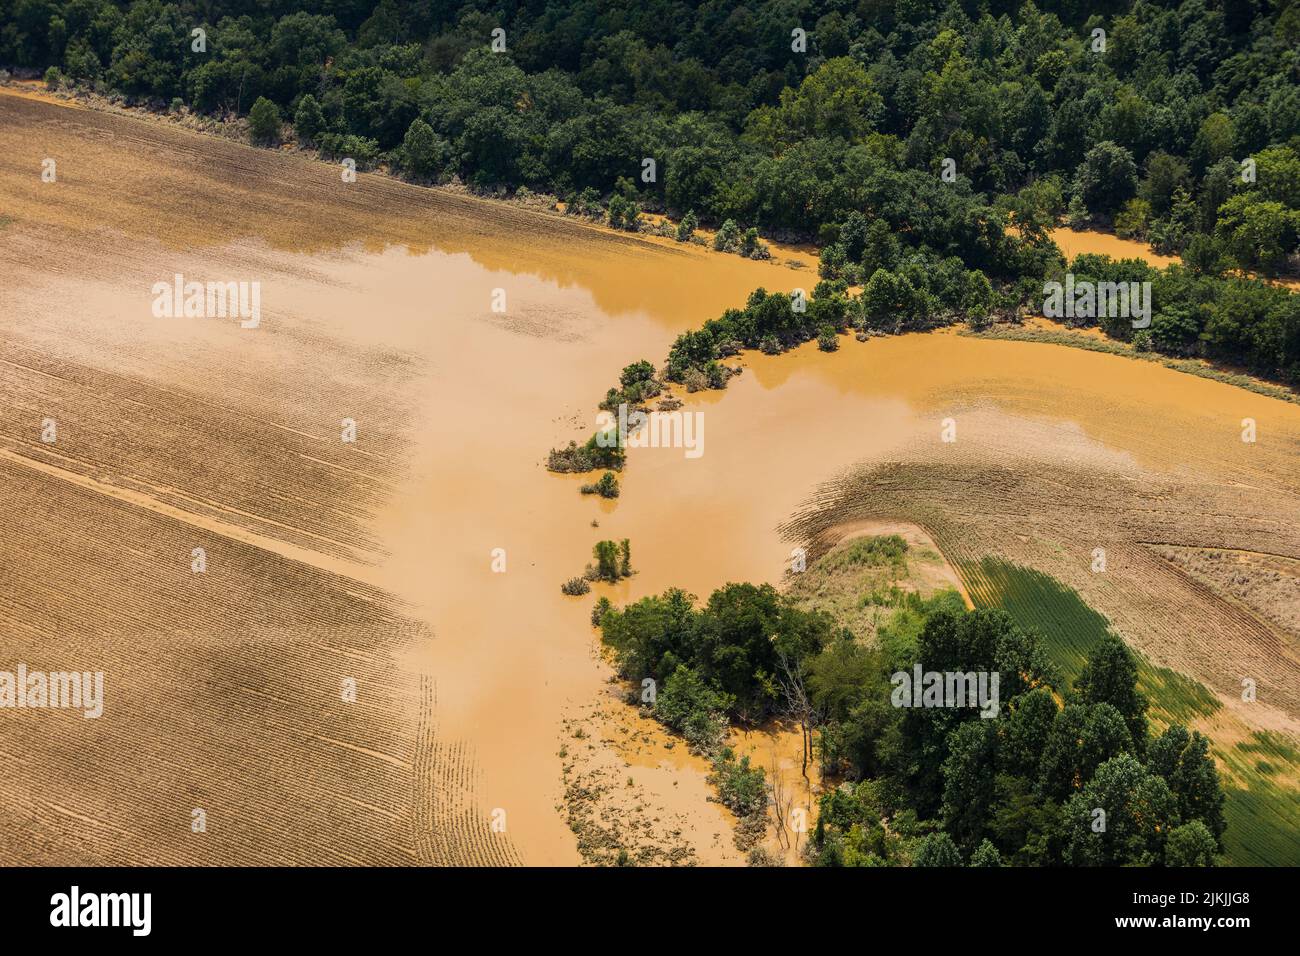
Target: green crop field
[{"x": 1263, "y": 807}]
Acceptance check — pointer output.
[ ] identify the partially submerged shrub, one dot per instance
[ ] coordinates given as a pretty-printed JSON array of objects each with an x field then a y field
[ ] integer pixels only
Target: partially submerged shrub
[
  {"x": 762, "y": 856},
  {"x": 600, "y": 451},
  {"x": 741, "y": 788},
  {"x": 585, "y": 204},
  {"x": 624, "y": 213},
  {"x": 695, "y": 380},
  {"x": 751, "y": 247},
  {"x": 688, "y": 705},
  {"x": 613, "y": 560},
  {"x": 574, "y": 587},
  {"x": 606, "y": 487},
  {"x": 637, "y": 383}
]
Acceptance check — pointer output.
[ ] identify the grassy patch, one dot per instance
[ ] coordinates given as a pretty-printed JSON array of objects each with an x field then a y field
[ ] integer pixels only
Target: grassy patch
[
  {"x": 863, "y": 581},
  {"x": 1263, "y": 803},
  {"x": 1071, "y": 628},
  {"x": 873, "y": 552}
]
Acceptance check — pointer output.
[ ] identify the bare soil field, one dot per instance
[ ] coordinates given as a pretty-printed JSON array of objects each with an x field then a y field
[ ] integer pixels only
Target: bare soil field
[{"x": 1268, "y": 584}]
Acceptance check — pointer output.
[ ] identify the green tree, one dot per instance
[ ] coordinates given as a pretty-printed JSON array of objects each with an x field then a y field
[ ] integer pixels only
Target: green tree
[
  {"x": 1107, "y": 177},
  {"x": 1083, "y": 737},
  {"x": 986, "y": 854},
  {"x": 692, "y": 708},
  {"x": 1175, "y": 331},
  {"x": 309, "y": 120},
  {"x": 606, "y": 555},
  {"x": 264, "y": 121},
  {"x": 888, "y": 300},
  {"x": 1257, "y": 232},
  {"x": 1165, "y": 173},
  {"x": 1027, "y": 729},
  {"x": 424, "y": 153},
  {"x": 686, "y": 228},
  {"x": 838, "y": 100},
  {"x": 1204, "y": 256},
  {"x": 1278, "y": 174},
  {"x": 967, "y": 783},
  {"x": 1183, "y": 760},
  {"x": 1214, "y": 140},
  {"x": 1137, "y": 811},
  {"x": 937, "y": 849},
  {"x": 1110, "y": 676},
  {"x": 1191, "y": 844}
]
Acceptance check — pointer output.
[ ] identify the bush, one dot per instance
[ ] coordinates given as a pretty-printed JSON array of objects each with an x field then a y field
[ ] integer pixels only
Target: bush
[
  {"x": 585, "y": 204},
  {"x": 762, "y": 856},
  {"x": 424, "y": 153},
  {"x": 695, "y": 380},
  {"x": 751, "y": 248},
  {"x": 827, "y": 340},
  {"x": 309, "y": 120},
  {"x": 937, "y": 849},
  {"x": 264, "y": 121},
  {"x": 686, "y": 228},
  {"x": 623, "y": 213},
  {"x": 53, "y": 78},
  {"x": 727, "y": 238},
  {"x": 575, "y": 587},
  {"x": 362, "y": 150},
  {"x": 606, "y": 487},
  {"x": 613, "y": 561},
  {"x": 1191, "y": 844},
  {"x": 576, "y": 459},
  {"x": 741, "y": 788},
  {"x": 1132, "y": 221},
  {"x": 636, "y": 374},
  {"x": 695, "y": 710}
]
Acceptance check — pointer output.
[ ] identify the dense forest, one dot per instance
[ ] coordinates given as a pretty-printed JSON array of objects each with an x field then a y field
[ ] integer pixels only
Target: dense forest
[
  {"x": 935, "y": 785},
  {"x": 899, "y": 134}
]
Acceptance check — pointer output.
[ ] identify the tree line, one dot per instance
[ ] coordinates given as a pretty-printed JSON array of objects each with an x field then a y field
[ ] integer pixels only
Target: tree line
[
  {"x": 817, "y": 118},
  {"x": 1062, "y": 774}
]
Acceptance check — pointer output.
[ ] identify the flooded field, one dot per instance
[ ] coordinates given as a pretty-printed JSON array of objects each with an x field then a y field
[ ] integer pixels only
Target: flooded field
[{"x": 373, "y": 565}]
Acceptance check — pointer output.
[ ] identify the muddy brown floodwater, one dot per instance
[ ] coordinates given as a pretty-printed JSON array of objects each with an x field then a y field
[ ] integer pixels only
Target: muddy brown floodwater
[{"x": 373, "y": 561}]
